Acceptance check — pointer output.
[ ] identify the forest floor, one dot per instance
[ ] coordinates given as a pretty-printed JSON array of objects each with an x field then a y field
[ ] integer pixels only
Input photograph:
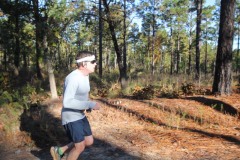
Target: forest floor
[{"x": 188, "y": 128}]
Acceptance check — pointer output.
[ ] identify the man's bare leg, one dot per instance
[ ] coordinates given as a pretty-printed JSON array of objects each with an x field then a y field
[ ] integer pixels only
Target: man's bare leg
[
  {"x": 78, "y": 148},
  {"x": 66, "y": 147}
]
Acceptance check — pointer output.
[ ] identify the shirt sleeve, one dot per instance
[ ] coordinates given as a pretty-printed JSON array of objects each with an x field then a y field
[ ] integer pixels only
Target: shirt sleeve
[{"x": 69, "y": 100}]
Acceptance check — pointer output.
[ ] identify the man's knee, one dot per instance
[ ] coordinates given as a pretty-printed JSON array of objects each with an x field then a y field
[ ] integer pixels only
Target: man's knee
[{"x": 88, "y": 141}]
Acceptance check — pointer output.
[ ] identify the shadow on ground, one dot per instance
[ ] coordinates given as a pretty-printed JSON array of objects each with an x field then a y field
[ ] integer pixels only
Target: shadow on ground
[
  {"x": 216, "y": 104},
  {"x": 46, "y": 131}
]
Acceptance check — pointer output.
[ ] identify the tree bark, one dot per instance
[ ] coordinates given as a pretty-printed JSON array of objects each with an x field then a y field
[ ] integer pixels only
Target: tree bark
[
  {"x": 198, "y": 38},
  {"x": 178, "y": 53},
  {"x": 190, "y": 54},
  {"x": 17, "y": 42},
  {"x": 38, "y": 38},
  {"x": 52, "y": 81},
  {"x": 238, "y": 65},
  {"x": 124, "y": 39},
  {"x": 172, "y": 51},
  {"x": 223, "y": 69},
  {"x": 100, "y": 38},
  {"x": 110, "y": 22},
  {"x": 206, "y": 56},
  {"x": 48, "y": 58}
]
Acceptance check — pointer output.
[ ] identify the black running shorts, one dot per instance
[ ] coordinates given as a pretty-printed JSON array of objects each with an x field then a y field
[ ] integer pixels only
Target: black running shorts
[{"x": 77, "y": 130}]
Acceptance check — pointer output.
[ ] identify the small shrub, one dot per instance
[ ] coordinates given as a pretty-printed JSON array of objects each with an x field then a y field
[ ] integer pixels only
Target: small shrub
[
  {"x": 115, "y": 91},
  {"x": 102, "y": 92},
  {"x": 188, "y": 88},
  {"x": 143, "y": 92},
  {"x": 5, "y": 97}
]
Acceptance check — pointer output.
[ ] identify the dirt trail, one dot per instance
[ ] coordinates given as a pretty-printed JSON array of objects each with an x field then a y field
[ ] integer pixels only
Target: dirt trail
[{"x": 192, "y": 128}]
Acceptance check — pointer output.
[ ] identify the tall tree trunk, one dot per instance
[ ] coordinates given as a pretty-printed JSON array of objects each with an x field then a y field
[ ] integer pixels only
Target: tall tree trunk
[
  {"x": 107, "y": 62},
  {"x": 238, "y": 65},
  {"x": 100, "y": 38},
  {"x": 223, "y": 69},
  {"x": 122, "y": 77},
  {"x": 50, "y": 70},
  {"x": 190, "y": 55},
  {"x": 124, "y": 40},
  {"x": 206, "y": 56},
  {"x": 153, "y": 37},
  {"x": 178, "y": 53},
  {"x": 190, "y": 45},
  {"x": 38, "y": 38},
  {"x": 17, "y": 42},
  {"x": 153, "y": 54},
  {"x": 48, "y": 58},
  {"x": 172, "y": 57},
  {"x": 148, "y": 51},
  {"x": 206, "y": 60},
  {"x": 198, "y": 38}
]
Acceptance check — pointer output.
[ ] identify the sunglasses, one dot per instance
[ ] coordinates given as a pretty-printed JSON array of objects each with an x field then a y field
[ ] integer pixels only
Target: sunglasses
[{"x": 93, "y": 61}]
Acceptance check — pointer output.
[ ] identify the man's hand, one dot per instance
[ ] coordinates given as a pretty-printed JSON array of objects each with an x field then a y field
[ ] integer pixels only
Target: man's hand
[
  {"x": 97, "y": 106},
  {"x": 89, "y": 110}
]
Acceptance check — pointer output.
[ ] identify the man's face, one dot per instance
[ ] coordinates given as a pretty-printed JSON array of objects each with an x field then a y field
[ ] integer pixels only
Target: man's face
[{"x": 90, "y": 66}]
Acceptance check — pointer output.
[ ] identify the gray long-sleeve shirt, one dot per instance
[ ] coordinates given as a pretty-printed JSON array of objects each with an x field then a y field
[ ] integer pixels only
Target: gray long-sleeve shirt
[{"x": 75, "y": 97}]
